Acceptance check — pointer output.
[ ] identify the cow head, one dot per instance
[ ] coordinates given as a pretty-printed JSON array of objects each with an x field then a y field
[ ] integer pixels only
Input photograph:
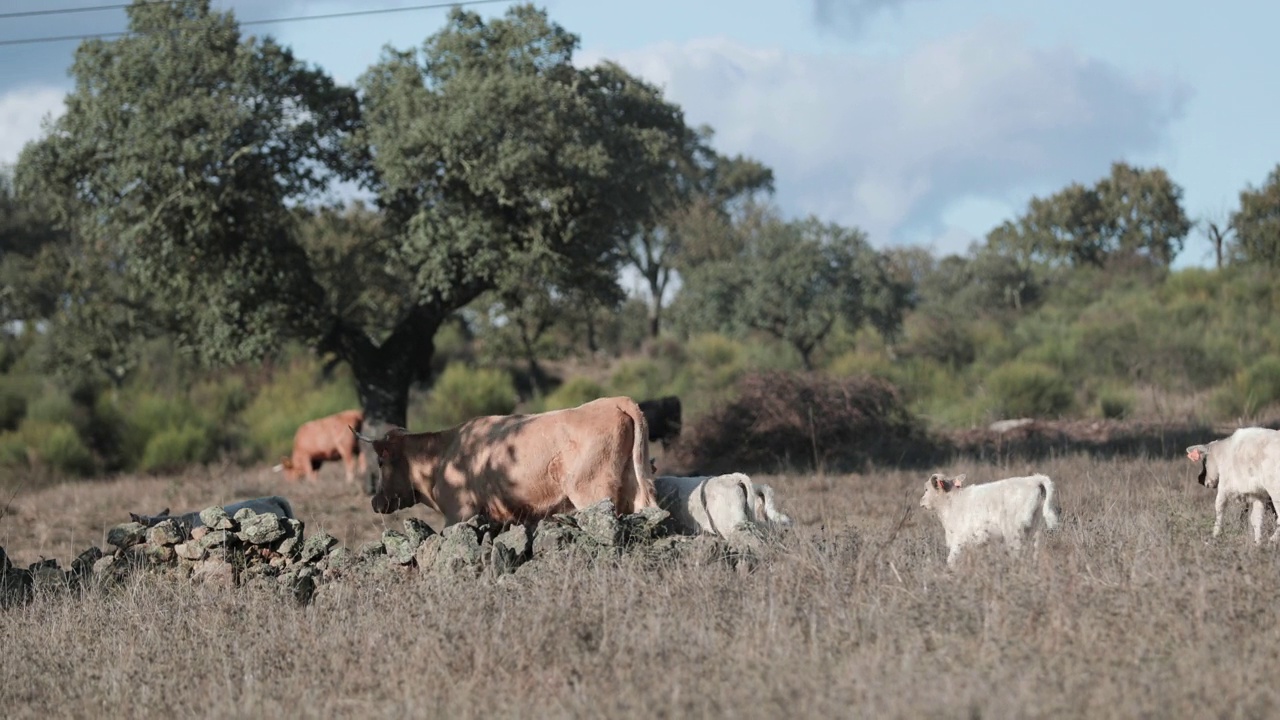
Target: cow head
[
  {"x": 395, "y": 488},
  {"x": 290, "y": 471},
  {"x": 1208, "y": 465},
  {"x": 938, "y": 486}
]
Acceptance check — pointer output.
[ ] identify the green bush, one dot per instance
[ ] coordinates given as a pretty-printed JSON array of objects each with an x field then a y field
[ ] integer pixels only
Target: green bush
[
  {"x": 56, "y": 406},
  {"x": 1023, "y": 389},
  {"x": 1252, "y": 390},
  {"x": 639, "y": 379},
  {"x": 62, "y": 450},
  {"x": 13, "y": 401},
  {"x": 572, "y": 393},
  {"x": 1115, "y": 404},
  {"x": 13, "y": 450},
  {"x": 172, "y": 449},
  {"x": 461, "y": 393}
]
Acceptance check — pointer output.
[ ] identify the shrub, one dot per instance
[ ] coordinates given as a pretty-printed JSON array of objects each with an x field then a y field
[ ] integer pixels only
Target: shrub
[
  {"x": 1023, "y": 389},
  {"x": 63, "y": 451},
  {"x": 13, "y": 450},
  {"x": 1252, "y": 389},
  {"x": 174, "y": 448},
  {"x": 639, "y": 379},
  {"x": 1115, "y": 404},
  {"x": 782, "y": 420},
  {"x": 461, "y": 393},
  {"x": 572, "y": 393},
  {"x": 56, "y": 406},
  {"x": 13, "y": 401}
]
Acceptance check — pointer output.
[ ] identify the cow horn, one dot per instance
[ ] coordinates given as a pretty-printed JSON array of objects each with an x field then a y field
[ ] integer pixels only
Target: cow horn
[
  {"x": 277, "y": 468},
  {"x": 361, "y": 437}
]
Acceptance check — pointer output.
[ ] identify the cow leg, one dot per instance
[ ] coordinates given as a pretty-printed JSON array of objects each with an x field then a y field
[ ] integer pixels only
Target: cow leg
[
  {"x": 1255, "y": 519},
  {"x": 1218, "y": 506},
  {"x": 952, "y": 554}
]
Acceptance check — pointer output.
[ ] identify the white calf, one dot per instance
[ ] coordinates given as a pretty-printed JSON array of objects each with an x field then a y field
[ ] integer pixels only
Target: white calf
[
  {"x": 717, "y": 505},
  {"x": 1244, "y": 464},
  {"x": 1001, "y": 509}
]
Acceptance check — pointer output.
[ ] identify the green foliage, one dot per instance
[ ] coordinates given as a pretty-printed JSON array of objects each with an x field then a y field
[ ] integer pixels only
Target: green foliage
[
  {"x": 174, "y": 448},
  {"x": 572, "y": 393},
  {"x": 58, "y": 446},
  {"x": 1251, "y": 390},
  {"x": 296, "y": 393},
  {"x": 462, "y": 393},
  {"x": 639, "y": 378},
  {"x": 13, "y": 400},
  {"x": 1257, "y": 223},
  {"x": 14, "y": 451},
  {"x": 1115, "y": 403},
  {"x": 1023, "y": 389}
]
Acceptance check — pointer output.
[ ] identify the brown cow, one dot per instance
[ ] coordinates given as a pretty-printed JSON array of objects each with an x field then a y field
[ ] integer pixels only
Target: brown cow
[
  {"x": 520, "y": 468},
  {"x": 326, "y": 438}
]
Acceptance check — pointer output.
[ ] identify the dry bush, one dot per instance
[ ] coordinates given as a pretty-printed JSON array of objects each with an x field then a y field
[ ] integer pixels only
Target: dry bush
[
  {"x": 784, "y": 420},
  {"x": 1126, "y": 611}
]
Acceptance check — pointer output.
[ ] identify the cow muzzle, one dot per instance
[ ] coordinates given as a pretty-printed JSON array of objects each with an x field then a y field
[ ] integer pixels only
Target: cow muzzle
[{"x": 384, "y": 505}]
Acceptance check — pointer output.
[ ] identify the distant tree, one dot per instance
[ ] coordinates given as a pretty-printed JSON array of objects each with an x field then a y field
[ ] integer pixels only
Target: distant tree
[
  {"x": 1257, "y": 223},
  {"x": 795, "y": 280},
  {"x": 1131, "y": 213},
  {"x": 33, "y": 258},
  {"x": 706, "y": 189},
  {"x": 186, "y": 148}
]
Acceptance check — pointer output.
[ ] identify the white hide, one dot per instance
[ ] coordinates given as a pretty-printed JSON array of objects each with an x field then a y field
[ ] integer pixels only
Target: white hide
[
  {"x": 1244, "y": 464},
  {"x": 717, "y": 505},
  {"x": 1002, "y": 509}
]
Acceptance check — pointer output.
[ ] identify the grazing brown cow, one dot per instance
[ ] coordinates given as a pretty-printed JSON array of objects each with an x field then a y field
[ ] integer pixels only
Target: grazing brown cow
[
  {"x": 520, "y": 468},
  {"x": 326, "y": 438}
]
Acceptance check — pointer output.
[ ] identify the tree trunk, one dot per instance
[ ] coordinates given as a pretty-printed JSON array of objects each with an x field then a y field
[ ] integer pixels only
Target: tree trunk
[
  {"x": 655, "y": 320},
  {"x": 806, "y": 355}
]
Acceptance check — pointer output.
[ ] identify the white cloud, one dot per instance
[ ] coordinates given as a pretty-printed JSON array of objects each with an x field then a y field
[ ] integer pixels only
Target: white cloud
[
  {"x": 851, "y": 16},
  {"x": 21, "y": 113},
  {"x": 889, "y": 144}
]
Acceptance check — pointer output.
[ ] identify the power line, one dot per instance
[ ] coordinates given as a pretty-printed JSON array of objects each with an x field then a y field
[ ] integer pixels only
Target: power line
[
  {"x": 68, "y": 11},
  {"x": 296, "y": 18}
]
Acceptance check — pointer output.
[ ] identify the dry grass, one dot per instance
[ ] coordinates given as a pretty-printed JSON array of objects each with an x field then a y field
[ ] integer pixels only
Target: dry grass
[{"x": 1126, "y": 612}]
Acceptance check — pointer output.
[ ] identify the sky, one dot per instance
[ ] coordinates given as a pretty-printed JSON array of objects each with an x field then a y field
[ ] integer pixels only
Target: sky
[{"x": 923, "y": 122}]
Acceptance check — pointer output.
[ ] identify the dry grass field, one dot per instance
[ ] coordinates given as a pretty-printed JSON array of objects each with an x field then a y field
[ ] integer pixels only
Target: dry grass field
[{"x": 1127, "y": 611}]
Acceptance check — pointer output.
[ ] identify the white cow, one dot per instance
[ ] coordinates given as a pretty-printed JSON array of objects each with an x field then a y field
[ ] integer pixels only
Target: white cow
[
  {"x": 1001, "y": 509},
  {"x": 1244, "y": 464},
  {"x": 717, "y": 505}
]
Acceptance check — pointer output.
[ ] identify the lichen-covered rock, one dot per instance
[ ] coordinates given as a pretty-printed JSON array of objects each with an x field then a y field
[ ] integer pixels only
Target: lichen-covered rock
[
  {"x": 159, "y": 554},
  {"x": 165, "y": 532},
  {"x": 85, "y": 561},
  {"x": 644, "y": 526},
  {"x": 50, "y": 579},
  {"x": 599, "y": 523},
  {"x": 291, "y": 545},
  {"x": 417, "y": 531},
  {"x": 15, "y": 587},
  {"x": 127, "y": 535},
  {"x": 192, "y": 550},
  {"x": 199, "y": 532},
  {"x": 316, "y": 546},
  {"x": 459, "y": 550},
  {"x": 515, "y": 539},
  {"x": 5, "y": 564},
  {"x": 399, "y": 548},
  {"x": 215, "y": 572},
  {"x": 501, "y": 559},
  {"x": 553, "y": 535},
  {"x": 216, "y": 539},
  {"x": 371, "y": 549},
  {"x": 339, "y": 558},
  {"x": 427, "y": 552},
  {"x": 216, "y": 518},
  {"x": 261, "y": 529},
  {"x": 109, "y": 567}
]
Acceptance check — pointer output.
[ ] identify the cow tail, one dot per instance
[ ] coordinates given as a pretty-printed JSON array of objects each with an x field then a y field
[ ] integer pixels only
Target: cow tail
[
  {"x": 1050, "y": 508},
  {"x": 646, "y": 494},
  {"x": 749, "y": 497}
]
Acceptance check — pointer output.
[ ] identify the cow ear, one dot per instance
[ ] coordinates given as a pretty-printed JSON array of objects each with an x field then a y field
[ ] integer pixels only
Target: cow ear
[
  {"x": 959, "y": 479},
  {"x": 939, "y": 481},
  {"x": 1197, "y": 452}
]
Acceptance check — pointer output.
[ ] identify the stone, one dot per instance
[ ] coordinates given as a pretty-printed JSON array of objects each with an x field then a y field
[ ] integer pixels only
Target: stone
[
  {"x": 15, "y": 587},
  {"x": 84, "y": 563},
  {"x": 193, "y": 550},
  {"x": 199, "y": 532},
  {"x": 371, "y": 549},
  {"x": 417, "y": 531},
  {"x": 459, "y": 550},
  {"x": 426, "y": 554},
  {"x": 165, "y": 532},
  {"x": 160, "y": 554},
  {"x": 214, "y": 572},
  {"x": 501, "y": 559},
  {"x": 127, "y": 535},
  {"x": 399, "y": 547},
  {"x": 644, "y": 526},
  {"x": 552, "y": 536},
  {"x": 215, "y": 539},
  {"x": 515, "y": 539},
  {"x": 215, "y": 518},
  {"x": 599, "y": 523},
  {"x": 108, "y": 564},
  {"x": 5, "y": 564},
  {"x": 304, "y": 590},
  {"x": 243, "y": 514},
  {"x": 316, "y": 546},
  {"x": 50, "y": 579},
  {"x": 339, "y": 558},
  {"x": 290, "y": 546},
  {"x": 259, "y": 529}
]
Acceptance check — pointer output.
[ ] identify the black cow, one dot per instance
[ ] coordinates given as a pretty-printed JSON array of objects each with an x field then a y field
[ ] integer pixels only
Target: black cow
[{"x": 663, "y": 417}]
